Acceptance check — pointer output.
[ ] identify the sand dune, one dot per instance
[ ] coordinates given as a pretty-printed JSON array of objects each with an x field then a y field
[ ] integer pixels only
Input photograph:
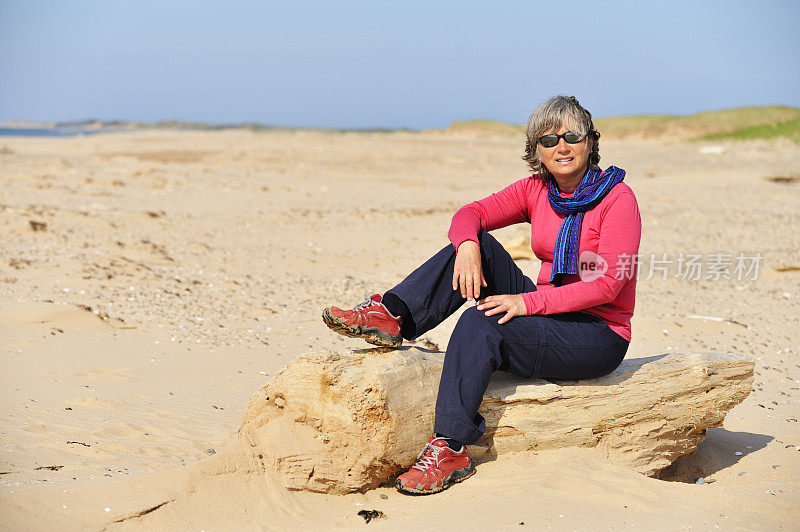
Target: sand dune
[{"x": 150, "y": 282}]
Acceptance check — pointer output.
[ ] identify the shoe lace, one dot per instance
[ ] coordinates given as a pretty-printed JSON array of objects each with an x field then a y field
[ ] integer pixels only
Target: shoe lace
[
  {"x": 428, "y": 458},
  {"x": 368, "y": 302}
]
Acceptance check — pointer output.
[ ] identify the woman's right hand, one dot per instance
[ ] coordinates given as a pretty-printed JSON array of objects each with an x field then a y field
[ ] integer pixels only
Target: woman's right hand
[{"x": 468, "y": 273}]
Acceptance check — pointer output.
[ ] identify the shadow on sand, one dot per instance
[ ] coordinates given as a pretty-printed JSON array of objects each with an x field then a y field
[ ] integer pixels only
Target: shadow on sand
[{"x": 715, "y": 453}]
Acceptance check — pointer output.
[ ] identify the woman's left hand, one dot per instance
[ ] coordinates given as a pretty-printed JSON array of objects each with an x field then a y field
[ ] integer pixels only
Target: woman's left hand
[{"x": 511, "y": 304}]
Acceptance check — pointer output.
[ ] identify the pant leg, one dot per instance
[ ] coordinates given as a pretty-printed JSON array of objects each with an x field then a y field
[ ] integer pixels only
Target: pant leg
[
  {"x": 567, "y": 346},
  {"x": 428, "y": 291}
]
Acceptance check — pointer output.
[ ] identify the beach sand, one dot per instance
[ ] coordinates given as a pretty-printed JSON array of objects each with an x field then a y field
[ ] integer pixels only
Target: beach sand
[{"x": 151, "y": 281}]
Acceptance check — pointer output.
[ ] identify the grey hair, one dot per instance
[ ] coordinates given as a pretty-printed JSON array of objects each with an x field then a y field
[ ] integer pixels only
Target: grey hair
[{"x": 551, "y": 115}]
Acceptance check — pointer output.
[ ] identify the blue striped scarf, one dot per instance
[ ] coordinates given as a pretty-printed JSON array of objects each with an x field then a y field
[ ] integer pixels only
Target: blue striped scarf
[{"x": 590, "y": 191}]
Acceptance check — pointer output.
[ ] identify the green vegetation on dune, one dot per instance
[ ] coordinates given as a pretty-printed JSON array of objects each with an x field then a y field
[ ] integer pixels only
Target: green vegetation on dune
[
  {"x": 744, "y": 123},
  {"x": 741, "y": 117},
  {"x": 788, "y": 130},
  {"x": 717, "y": 124}
]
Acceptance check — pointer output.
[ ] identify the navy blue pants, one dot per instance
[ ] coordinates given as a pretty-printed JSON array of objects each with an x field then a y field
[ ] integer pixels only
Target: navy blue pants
[{"x": 567, "y": 346}]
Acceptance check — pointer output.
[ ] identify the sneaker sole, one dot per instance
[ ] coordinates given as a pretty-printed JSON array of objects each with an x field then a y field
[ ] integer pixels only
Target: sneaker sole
[
  {"x": 455, "y": 477},
  {"x": 372, "y": 335}
]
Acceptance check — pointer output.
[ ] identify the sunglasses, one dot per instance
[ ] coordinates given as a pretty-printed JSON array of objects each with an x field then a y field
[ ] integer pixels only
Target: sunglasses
[{"x": 570, "y": 137}]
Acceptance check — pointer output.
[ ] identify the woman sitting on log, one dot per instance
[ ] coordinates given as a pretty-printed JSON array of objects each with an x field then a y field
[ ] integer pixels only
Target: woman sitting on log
[{"x": 574, "y": 323}]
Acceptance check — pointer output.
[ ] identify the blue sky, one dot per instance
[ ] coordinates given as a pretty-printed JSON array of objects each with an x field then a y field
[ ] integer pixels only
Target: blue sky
[{"x": 417, "y": 64}]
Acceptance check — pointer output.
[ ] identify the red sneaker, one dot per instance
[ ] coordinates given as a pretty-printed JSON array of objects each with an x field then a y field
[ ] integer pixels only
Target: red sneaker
[
  {"x": 369, "y": 320},
  {"x": 438, "y": 467}
]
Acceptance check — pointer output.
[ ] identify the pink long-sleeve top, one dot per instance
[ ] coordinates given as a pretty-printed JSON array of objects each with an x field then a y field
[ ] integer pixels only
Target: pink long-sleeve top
[{"x": 611, "y": 229}]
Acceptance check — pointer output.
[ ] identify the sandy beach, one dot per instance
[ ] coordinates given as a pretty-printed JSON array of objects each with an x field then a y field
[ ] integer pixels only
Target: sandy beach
[{"x": 151, "y": 281}]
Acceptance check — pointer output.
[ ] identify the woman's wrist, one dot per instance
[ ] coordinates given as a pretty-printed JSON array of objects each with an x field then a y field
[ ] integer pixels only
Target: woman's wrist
[{"x": 468, "y": 242}]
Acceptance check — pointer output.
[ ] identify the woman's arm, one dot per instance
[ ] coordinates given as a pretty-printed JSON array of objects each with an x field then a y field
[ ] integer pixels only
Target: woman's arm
[
  {"x": 507, "y": 207},
  {"x": 498, "y": 210}
]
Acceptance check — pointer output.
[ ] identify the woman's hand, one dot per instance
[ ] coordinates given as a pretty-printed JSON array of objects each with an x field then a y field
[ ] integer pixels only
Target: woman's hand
[
  {"x": 468, "y": 273},
  {"x": 511, "y": 304}
]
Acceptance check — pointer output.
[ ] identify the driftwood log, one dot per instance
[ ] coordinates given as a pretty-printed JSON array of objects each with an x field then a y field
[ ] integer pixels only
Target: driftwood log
[{"x": 343, "y": 422}]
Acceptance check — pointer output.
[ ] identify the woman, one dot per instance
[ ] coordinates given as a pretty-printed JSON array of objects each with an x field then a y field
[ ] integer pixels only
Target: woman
[{"x": 574, "y": 323}]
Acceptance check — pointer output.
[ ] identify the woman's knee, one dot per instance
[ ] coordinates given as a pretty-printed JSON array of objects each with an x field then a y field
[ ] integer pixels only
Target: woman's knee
[
  {"x": 474, "y": 345},
  {"x": 472, "y": 318},
  {"x": 474, "y": 327}
]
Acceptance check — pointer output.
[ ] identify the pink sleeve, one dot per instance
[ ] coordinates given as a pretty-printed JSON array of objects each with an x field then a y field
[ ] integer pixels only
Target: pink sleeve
[
  {"x": 507, "y": 207},
  {"x": 620, "y": 232}
]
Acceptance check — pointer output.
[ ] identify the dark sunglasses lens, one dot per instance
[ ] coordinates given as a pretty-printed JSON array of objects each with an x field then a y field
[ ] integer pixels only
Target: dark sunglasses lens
[
  {"x": 572, "y": 137},
  {"x": 548, "y": 141}
]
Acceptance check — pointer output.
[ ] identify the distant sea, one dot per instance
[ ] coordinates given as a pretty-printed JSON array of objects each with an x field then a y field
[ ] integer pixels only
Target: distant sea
[{"x": 49, "y": 131}]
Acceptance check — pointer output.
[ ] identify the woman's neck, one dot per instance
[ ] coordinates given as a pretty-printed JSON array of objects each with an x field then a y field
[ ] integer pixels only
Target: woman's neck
[{"x": 570, "y": 183}]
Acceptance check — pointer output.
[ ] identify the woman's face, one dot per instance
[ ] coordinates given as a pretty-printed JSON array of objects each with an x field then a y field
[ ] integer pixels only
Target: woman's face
[{"x": 567, "y": 162}]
